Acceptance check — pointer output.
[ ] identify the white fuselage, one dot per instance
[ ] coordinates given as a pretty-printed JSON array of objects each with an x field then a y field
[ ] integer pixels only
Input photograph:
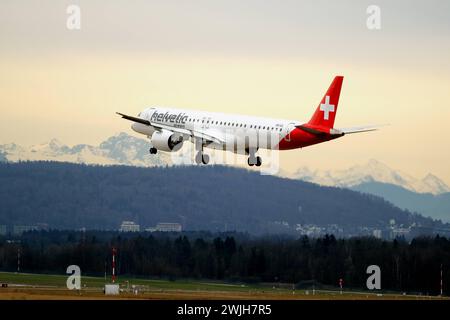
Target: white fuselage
[
  {"x": 230, "y": 127},
  {"x": 168, "y": 128}
]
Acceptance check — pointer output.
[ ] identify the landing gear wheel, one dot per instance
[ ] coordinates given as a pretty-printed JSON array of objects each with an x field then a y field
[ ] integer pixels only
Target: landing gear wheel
[
  {"x": 153, "y": 150},
  {"x": 254, "y": 161},
  {"x": 205, "y": 159},
  {"x": 199, "y": 158}
]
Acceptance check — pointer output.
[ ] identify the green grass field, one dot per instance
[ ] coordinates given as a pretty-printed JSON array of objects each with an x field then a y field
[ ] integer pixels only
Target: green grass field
[
  {"x": 44, "y": 286},
  {"x": 45, "y": 280}
]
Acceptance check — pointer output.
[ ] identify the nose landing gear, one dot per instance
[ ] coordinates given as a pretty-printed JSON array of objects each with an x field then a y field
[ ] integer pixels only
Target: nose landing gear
[{"x": 200, "y": 157}]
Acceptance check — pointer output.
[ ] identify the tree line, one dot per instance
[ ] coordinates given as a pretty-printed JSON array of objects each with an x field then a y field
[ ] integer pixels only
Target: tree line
[{"x": 405, "y": 266}]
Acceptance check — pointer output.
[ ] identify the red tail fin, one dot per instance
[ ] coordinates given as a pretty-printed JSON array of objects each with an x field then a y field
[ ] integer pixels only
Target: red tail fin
[{"x": 326, "y": 111}]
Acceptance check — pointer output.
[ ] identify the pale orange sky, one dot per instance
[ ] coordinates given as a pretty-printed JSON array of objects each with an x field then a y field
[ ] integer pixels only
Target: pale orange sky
[{"x": 259, "y": 59}]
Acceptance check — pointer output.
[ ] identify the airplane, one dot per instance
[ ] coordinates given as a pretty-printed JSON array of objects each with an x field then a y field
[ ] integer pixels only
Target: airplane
[{"x": 168, "y": 128}]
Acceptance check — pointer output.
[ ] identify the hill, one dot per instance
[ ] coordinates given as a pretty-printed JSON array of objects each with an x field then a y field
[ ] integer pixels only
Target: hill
[
  {"x": 434, "y": 206},
  {"x": 71, "y": 196}
]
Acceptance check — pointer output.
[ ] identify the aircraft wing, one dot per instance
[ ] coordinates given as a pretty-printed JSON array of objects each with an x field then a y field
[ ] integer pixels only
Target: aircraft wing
[{"x": 198, "y": 134}]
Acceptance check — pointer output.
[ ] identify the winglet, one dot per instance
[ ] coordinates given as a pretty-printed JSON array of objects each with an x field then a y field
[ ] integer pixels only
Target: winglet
[{"x": 135, "y": 119}]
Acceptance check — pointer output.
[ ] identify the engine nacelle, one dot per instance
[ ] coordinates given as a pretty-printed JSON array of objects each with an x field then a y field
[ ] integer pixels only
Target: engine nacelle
[{"x": 166, "y": 140}]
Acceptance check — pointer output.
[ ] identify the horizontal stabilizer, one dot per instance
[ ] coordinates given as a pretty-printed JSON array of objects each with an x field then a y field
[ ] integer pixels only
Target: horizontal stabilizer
[{"x": 360, "y": 129}]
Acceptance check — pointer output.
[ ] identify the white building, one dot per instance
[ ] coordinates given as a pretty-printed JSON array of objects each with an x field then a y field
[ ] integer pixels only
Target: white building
[
  {"x": 129, "y": 226},
  {"x": 168, "y": 227},
  {"x": 400, "y": 232},
  {"x": 165, "y": 227},
  {"x": 377, "y": 233}
]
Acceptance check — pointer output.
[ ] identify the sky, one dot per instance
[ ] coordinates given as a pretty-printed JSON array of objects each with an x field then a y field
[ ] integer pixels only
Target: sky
[{"x": 265, "y": 58}]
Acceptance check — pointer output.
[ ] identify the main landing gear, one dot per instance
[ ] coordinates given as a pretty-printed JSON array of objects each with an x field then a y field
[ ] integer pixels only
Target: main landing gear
[
  {"x": 153, "y": 150},
  {"x": 254, "y": 160},
  {"x": 257, "y": 161}
]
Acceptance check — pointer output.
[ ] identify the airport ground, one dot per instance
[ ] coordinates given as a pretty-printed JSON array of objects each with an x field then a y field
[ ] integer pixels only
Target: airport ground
[{"x": 25, "y": 286}]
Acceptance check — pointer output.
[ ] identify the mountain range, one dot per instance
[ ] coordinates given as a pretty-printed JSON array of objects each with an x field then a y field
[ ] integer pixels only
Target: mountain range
[
  {"x": 373, "y": 171},
  {"x": 429, "y": 196},
  {"x": 125, "y": 149},
  {"x": 434, "y": 206},
  {"x": 120, "y": 149}
]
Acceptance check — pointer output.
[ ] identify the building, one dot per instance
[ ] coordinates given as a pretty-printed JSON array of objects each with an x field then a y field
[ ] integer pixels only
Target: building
[
  {"x": 399, "y": 232},
  {"x": 377, "y": 233},
  {"x": 3, "y": 230},
  {"x": 165, "y": 227},
  {"x": 168, "y": 227},
  {"x": 18, "y": 230},
  {"x": 129, "y": 226}
]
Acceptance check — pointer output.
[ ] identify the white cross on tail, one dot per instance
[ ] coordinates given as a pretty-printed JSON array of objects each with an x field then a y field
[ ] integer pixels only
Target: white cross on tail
[{"x": 326, "y": 108}]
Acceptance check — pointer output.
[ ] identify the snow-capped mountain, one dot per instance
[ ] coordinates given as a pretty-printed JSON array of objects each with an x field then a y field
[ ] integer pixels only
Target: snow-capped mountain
[
  {"x": 125, "y": 149},
  {"x": 118, "y": 149},
  {"x": 373, "y": 171}
]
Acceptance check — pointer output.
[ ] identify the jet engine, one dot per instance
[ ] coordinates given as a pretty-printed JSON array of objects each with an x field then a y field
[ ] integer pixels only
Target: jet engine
[{"x": 166, "y": 140}]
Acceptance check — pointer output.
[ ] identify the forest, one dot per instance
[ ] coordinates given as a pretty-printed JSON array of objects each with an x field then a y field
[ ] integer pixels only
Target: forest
[{"x": 412, "y": 266}]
